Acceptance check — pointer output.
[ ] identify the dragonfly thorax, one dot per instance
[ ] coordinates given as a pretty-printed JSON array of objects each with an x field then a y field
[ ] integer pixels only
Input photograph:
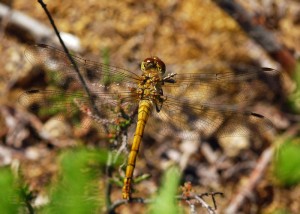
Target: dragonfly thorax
[{"x": 150, "y": 86}]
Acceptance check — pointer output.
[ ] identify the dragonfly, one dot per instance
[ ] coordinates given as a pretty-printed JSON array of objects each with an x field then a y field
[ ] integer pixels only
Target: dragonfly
[{"x": 153, "y": 98}]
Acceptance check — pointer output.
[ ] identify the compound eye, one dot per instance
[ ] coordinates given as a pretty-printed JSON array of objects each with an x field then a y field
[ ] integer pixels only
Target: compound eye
[
  {"x": 160, "y": 64},
  {"x": 149, "y": 60},
  {"x": 148, "y": 63}
]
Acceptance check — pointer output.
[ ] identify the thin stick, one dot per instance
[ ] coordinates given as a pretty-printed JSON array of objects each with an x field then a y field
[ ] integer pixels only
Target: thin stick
[
  {"x": 44, "y": 6},
  {"x": 254, "y": 178},
  {"x": 118, "y": 203},
  {"x": 96, "y": 111},
  {"x": 108, "y": 173},
  {"x": 209, "y": 209}
]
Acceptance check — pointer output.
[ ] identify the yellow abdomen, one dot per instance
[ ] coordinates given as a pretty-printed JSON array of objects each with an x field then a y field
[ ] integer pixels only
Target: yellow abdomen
[{"x": 144, "y": 111}]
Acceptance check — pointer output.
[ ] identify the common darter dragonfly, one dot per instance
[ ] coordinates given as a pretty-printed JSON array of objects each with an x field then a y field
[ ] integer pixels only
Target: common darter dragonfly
[{"x": 177, "y": 100}]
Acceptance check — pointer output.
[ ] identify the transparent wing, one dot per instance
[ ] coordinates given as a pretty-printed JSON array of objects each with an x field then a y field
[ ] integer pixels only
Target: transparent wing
[
  {"x": 223, "y": 72},
  {"x": 221, "y": 78},
  {"x": 185, "y": 117},
  {"x": 113, "y": 108},
  {"x": 211, "y": 101},
  {"x": 95, "y": 75}
]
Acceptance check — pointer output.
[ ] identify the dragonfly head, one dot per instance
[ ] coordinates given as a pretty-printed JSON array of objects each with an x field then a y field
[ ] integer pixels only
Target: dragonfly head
[{"x": 153, "y": 63}]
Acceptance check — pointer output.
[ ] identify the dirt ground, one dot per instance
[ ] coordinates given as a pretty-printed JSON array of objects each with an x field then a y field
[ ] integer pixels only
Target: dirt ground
[{"x": 187, "y": 35}]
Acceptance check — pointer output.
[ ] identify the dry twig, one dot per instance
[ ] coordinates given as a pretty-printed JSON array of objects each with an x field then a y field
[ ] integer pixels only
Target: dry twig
[
  {"x": 37, "y": 31},
  {"x": 259, "y": 34},
  {"x": 254, "y": 178}
]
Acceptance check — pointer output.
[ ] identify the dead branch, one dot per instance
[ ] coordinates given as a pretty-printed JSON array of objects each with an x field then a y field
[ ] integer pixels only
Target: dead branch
[
  {"x": 254, "y": 178},
  {"x": 35, "y": 30},
  {"x": 259, "y": 34}
]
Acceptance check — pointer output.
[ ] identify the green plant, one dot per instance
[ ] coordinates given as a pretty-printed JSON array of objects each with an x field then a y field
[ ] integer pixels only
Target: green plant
[
  {"x": 77, "y": 189},
  {"x": 165, "y": 202},
  {"x": 10, "y": 201},
  {"x": 287, "y": 162}
]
